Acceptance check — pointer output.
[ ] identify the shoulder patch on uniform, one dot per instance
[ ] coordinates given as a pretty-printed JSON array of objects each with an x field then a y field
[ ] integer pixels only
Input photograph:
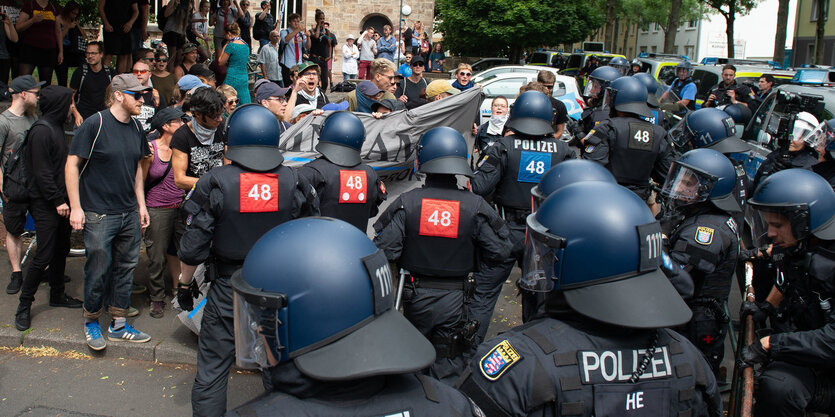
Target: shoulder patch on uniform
[
  {"x": 704, "y": 235},
  {"x": 732, "y": 224},
  {"x": 483, "y": 160},
  {"x": 498, "y": 360},
  {"x": 589, "y": 149}
]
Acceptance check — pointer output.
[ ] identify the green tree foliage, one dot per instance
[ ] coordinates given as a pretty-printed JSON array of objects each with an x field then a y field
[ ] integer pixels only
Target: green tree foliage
[
  {"x": 669, "y": 15},
  {"x": 505, "y": 27},
  {"x": 729, "y": 9},
  {"x": 89, "y": 14}
]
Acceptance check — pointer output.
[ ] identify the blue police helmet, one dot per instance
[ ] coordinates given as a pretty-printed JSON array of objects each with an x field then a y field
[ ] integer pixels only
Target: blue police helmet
[
  {"x": 318, "y": 292},
  {"x": 629, "y": 95},
  {"x": 252, "y": 138},
  {"x": 620, "y": 63},
  {"x": 604, "y": 258},
  {"x": 567, "y": 173},
  {"x": 531, "y": 114},
  {"x": 739, "y": 112},
  {"x": 686, "y": 65},
  {"x": 701, "y": 175},
  {"x": 442, "y": 150},
  {"x": 606, "y": 74},
  {"x": 708, "y": 128},
  {"x": 341, "y": 137},
  {"x": 804, "y": 197},
  {"x": 651, "y": 85}
]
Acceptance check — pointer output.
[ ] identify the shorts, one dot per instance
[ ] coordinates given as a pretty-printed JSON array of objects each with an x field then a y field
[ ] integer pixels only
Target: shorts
[
  {"x": 117, "y": 43},
  {"x": 14, "y": 217},
  {"x": 173, "y": 40},
  {"x": 42, "y": 57}
]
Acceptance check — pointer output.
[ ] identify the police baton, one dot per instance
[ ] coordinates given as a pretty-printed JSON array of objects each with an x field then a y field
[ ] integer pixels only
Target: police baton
[
  {"x": 748, "y": 373},
  {"x": 403, "y": 274}
]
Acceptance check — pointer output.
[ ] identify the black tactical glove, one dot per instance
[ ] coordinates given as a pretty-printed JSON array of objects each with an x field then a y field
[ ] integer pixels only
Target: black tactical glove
[
  {"x": 753, "y": 355},
  {"x": 748, "y": 255},
  {"x": 186, "y": 293},
  {"x": 669, "y": 223},
  {"x": 758, "y": 311}
]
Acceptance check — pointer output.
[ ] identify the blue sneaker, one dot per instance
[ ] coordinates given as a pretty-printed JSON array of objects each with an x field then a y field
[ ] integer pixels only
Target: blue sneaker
[
  {"x": 127, "y": 334},
  {"x": 94, "y": 338}
]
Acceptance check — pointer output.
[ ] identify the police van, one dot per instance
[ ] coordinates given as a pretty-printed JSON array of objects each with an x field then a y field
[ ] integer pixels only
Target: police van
[
  {"x": 661, "y": 66},
  {"x": 706, "y": 76}
]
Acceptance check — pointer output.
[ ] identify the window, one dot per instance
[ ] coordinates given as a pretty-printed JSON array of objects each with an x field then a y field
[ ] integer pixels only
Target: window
[
  {"x": 508, "y": 87},
  {"x": 643, "y": 49},
  {"x": 559, "y": 89},
  {"x": 656, "y": 27},
  {"x": 689, "y": 50},
  {"x": 667, "y": 74},
  {"x": 813, "y": 17},
  {"x": 654, "y": 49},
  {"x": 704, "y": 81},
  {"x": 691, "y": 23}
]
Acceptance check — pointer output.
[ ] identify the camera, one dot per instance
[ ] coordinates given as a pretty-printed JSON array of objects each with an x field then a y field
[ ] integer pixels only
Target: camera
[{"x": 787, "y": 106}]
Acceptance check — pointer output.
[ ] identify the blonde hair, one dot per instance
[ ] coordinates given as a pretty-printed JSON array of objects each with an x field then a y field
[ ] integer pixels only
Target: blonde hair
[
  {"x": 233, "y": 28},
  {"x": 464, "y": 66},
  {"x": 227, "y": 91},
  {"x": 380, "y": 65}
]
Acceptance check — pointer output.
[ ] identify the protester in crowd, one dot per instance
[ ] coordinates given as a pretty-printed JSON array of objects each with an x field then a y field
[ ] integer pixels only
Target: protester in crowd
[
  {"x": 45, "y": 157},
  {"x": 40, "y": 37},
  {"x": 395, "y": 83},
  {"x": 382, "y": 75},
  {"x": 385, "y": 106},
  {"x": 386, "y": 45},
  {"x": 71, "y": 38},
  {"x": 230, "y": 99},
  {"x": 548, "y": 80},
  {"x": 189, "y": 59},
  {"x": 320, "y": 47},
  {"x": 412, "y": 90},
  {"x": 235, "y": 56},
  {"x": 177, "y": 13},
  {"x": 425, "y": 46},
  {"x": 199, "y": 30},
  {"x": 185, "y": 86},
  {"x": 245, "y": 24},
  {"x": 367, "y": 94},
  {"x": 439, "y": 89},
  {"x": 463, "y": 77},
  {"x": 334, "y": 43},
  {"x": 405, "y": 68},
  {"x": 350, "y": 55},
  {"x": 90, "y": 81},
  {"x": 151, "y": 99},
  {"x": 268, "y": 58},
  {"x": 14, "y": 122},
  {"x": 226, "y": 14},
  {"x": 264, "y": 24},
  {"x": 164, "y": 81},
  {"x": 12, "y": 10},
  {"x": 301, "y": 111},
  {"x": 295, "y": 40},
  {"x": 197, "y": 146},
  {"x": 309, "y": 93},
  {"x": 8, "y": 35},
  {"x": 144, "y": 54},
  {"x": 368, "y": 50},
  {"x": 107, "y": 200},
  {"x": 206, "y": 75},
  {"x": 411, "y": 37},
  {"x": 117, "y": 18},
  {"x": 139, "y": 31},
  {"x": 491, "y": 131},
  {"x": 437, "y": 58},
  {"x": 274, "y": 98},
  {"x": 163, "y": 199}
]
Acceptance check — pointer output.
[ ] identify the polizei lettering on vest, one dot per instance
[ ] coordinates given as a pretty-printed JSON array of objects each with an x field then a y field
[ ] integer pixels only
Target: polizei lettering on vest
[
  {"x": 598, "y": 367},
  {"x": 535, "y": 145}
]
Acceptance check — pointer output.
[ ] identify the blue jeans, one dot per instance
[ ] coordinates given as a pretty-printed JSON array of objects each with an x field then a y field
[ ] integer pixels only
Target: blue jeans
[
  {"x": 112, "y": 243},
  {"x": 263, "y": 42}
]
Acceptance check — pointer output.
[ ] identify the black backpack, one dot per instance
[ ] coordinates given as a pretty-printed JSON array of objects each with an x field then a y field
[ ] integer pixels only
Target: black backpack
[{"x": 16, "y": 180}]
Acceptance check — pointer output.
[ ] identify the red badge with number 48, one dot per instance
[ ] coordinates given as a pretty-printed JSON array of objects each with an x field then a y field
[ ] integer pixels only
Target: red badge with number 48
[
  {"x": 259, "y": 193},
  {"x": 352, "y": 186},
  {"x": 439, "y": 218}
]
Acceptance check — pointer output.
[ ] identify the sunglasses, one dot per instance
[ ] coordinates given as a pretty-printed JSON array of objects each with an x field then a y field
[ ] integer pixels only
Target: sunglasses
[
  {"x": 417, "y": 64},
  {"x": 162, "y": 60},
  {"x": 134, "y": 94},
  {"x": 140, "y": 72},
  {"x": 148, "y": 59},
  {"x": 465, "y": 74},
  {"x": 232, "y": 101},
  {"x": 548, "y": 86}
]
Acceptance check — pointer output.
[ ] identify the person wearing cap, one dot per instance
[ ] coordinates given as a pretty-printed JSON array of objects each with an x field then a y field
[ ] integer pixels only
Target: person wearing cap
[
  {"x": 14, "y": 123},
  {"x": 45, "y": 155},
  {"x": 344, "y": 350},
  {"x": 229, "y": 209},
  {"x": 601, "y": 344},
  {"x": 348, "y": 188},
  {"x": 367, "y": 94},
  {"x": 306, "y": 88},
  {"x": 634, "y": 150},
  {"x": 798, "y": 207},
  {"x": 439, "y": 89},
  {"x": 268, "y": 59},
  {"x": 350, "y": 55},
  {"x": 198, "y": 145},
  {"x": 386, "y": 106},
  {"x": 205, "y": 74},
  {"x": 301, "y": 111},
  {"x": 105, "y": 186},
  {"x": 163, "y": 199},
  {"x": 274, "y": 98},
  {"x": 382, "y": 75},
  {"x": 412, "y": 90},
  {"x": 507, "y": 171},
  {"x": 90, "y": 81},
  {"x": 438, "y": 235},
  {"x": 190, "y": 54}
]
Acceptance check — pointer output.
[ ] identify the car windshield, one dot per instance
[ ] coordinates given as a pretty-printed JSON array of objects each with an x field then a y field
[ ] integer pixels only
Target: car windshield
[
  {"x": 574, "y": 61},
  {"x": 539, "y": 58}
]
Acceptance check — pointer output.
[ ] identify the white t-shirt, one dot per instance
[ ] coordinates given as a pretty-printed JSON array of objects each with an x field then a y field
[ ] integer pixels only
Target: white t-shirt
[{"x": 201, "y": 27}]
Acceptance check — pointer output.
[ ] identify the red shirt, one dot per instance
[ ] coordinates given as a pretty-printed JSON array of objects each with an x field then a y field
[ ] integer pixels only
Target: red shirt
[{"x": 41, "y": 34}]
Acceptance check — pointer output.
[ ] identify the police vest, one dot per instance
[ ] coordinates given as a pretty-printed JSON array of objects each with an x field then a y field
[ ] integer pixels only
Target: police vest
[
  {"x": 807, "y": 279},
  {"x": 679, "y": 85},
  {"x": 658, "y": 117},
  {"x": 708, "y": 243},
  {"x": 253, "y": 203},
  {"x": 403, "y": 396},
  {"x": 348, "y": 193},
  {"x": 591, "y": 117},
  {"x": 526, "y": 161},
  {"x": 439, "y": 232},
  {"x": 634, "y": 146},
  {"x": 548, "y": 367}
]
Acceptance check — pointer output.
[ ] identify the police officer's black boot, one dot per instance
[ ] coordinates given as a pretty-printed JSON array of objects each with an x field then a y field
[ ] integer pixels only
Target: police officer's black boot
[{"x": 22, "y": 317}]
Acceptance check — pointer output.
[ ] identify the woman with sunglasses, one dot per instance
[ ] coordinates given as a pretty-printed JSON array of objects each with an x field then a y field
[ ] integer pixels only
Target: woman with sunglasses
[
  {"x": 230, "y": 99},
  {"x": 463, "y": 77},
  {"x": 164, "y": 81}
]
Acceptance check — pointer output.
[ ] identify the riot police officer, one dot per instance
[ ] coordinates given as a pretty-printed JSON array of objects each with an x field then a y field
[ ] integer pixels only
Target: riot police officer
[
  {"x": 741, "y": 115},
  {"x": 632, "y": 149},
  {"x": 602, "y": 346},
  {"x": 326, "y": 332},
  {"x": 507, "y": 171},
  {"x": 658, "y": 117},
  {"x": 620, "y": 64},
  {"x": 798, "y": 154},
  {"x": 826, "y": 153},
  {"x": 594, "y": 112},
  {"x": 348, "y": 189},
  {"x": 702, "y": 236},
  {"x": 439, "y": 234},
  {"x": 683, "y": 89},
  {"x": 799, "y": 208},
  {"x": 229, "y": 208}
]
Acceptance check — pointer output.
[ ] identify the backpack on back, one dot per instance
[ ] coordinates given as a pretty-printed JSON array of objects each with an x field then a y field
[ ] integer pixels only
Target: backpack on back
[{"x": 16, "y": 179}]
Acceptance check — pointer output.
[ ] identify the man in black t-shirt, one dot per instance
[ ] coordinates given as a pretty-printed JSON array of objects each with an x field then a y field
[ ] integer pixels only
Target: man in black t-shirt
[
  {"x": 117, "y": 17},
  {"x": 320, "y": 47},
  {"x": 548, "y": 79},
  {"x": 198, "y": 145},
  {"x": 90, "y": 81}
]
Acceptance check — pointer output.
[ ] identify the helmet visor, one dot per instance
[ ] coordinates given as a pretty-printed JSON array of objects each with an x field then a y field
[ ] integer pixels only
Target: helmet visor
[
  {"x": 542, "y": 253},
  {"x": 594, "y": 88},
  {"x": 680, "y": 135},
  {"x": 787, "y": 222},
  {"x": 256, "y": 330},
  {"x": 817, "y": 136},
  {"x": 686, "y": 185}
]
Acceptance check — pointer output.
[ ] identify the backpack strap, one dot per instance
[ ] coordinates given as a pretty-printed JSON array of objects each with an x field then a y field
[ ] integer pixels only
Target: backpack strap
[{"x": 93, "y": 146}]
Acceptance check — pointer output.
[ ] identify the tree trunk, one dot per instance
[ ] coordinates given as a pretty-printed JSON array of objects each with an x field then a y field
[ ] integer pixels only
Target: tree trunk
[
  {"x": 782, "y": 26},
  {"x": 515, "y": 53},
  {"x": 673, "y": 21},
  {"x": 729, "y": 29},
  {"x": 610, "y": 20},
  {"x": 626, "y": 30},
  {"x": 819, "y": 32}
]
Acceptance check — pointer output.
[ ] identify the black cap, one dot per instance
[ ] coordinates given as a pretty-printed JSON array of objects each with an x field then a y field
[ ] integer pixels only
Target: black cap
[
  {"x": 200, "y": 70},
  {"x": 416, "y": 59},
  {"x": 164, "y": 116},
  {"x": 391, "y": 104},
  {"x": 24, "y": 83}
]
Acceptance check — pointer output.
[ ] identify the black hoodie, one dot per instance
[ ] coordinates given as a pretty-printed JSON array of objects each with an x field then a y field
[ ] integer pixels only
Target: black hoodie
[{"x": 46, "y": 152}]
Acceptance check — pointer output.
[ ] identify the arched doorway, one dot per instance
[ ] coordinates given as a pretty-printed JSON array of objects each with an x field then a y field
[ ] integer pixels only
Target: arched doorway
[{"x": 377, "y": 21}]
